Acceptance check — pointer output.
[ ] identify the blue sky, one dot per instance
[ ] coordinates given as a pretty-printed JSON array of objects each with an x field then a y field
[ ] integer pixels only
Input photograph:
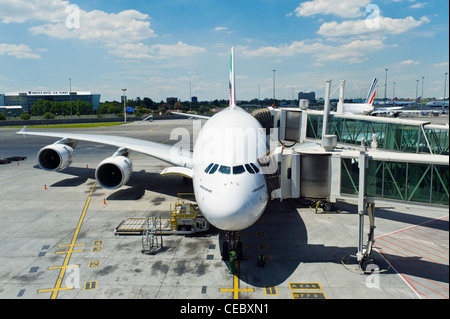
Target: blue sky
[{"x": 155, "y": 48}]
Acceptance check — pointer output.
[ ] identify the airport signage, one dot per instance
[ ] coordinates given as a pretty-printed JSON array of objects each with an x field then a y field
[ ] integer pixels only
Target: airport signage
[
  {"x": 40, "y": 93},
  {"x": 49, "y": 93}
]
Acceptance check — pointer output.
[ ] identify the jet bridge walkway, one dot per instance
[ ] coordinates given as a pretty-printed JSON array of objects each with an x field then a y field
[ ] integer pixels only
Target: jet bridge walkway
[
  {"x": 407, "y": 160},
  {"x": 359, "y": 159}
]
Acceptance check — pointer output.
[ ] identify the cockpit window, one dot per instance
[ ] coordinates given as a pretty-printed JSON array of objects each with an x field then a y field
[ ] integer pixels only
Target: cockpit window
[
  {"x": 225, "y": 170},
  {"x": 254, "y": 168},
  {"x": 249, "y": 169},
  {"x": 208, "y": 168},
  {"x": 237, "y": 170},
  {"x": 214, "y": 169}
]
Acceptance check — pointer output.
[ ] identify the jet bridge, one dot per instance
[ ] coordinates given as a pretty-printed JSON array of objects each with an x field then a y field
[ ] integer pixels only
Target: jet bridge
[
  {"x": 328, "y": 168},
  {"x": 407, "y": 160}
]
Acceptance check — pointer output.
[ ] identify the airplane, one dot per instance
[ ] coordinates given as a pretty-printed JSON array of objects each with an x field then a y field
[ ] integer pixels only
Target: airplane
[
  {"x": 396, "y": 103},
  {"x": 443, "y": 104},
  {"x": 396, "y": 111},
  {"x": 363, "y": 108},
  {"x": 229, "y": 186}
]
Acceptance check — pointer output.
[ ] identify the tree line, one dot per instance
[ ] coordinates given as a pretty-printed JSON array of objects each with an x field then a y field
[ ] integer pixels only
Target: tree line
[
  {"x": 78, "y": 107},
  {"x": 50, "y": 109}
]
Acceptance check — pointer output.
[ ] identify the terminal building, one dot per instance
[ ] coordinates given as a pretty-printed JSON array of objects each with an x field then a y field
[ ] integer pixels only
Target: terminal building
[{"x": 27, "y": 99}]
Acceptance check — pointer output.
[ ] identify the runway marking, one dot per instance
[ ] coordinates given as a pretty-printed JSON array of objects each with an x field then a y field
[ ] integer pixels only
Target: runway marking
[
  {"x": 419, "y": 254},
  {"x": 236, "y": 290},
  {"x": 305, "y": 286},
  {"x": 69, "y": 253},
  {"x": 89, "y": 285},
  {"x": 308, "y": 295},
  {"x": 305, "y": 290},
  {"x": 268, "y": 291}
]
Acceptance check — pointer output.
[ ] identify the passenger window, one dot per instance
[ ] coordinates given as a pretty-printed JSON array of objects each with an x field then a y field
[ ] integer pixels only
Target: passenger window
[
  {"x": 255, "y": 168},
  {"x": 249, "y": 169},
  {"x": 214, "y": 169},
  {"x": 208, "y": 168},
  {"x": 237, "y": 170},
  {"x": 225, "y": 170}
]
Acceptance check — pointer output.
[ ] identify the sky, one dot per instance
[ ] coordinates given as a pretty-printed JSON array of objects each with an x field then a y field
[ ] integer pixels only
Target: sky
[{"x": 179, "y": 48}]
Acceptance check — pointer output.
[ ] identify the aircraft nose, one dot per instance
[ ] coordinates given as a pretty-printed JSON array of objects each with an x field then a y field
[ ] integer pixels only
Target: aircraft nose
[{"x": 234, "y": 209}]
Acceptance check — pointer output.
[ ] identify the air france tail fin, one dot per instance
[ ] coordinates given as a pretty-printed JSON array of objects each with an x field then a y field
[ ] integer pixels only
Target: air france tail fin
[
  {"x": 232, "y": 81},
  {"x": 372, "y": 92}
]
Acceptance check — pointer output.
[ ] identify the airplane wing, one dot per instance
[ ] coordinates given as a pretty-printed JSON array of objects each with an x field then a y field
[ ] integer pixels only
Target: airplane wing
[
  {"x": 170, "y": 154},
  {"x": 202, "y": 117}
]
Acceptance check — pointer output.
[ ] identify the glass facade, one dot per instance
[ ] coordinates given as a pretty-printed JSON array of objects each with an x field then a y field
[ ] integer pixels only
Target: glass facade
[
  {"x": 424, "y": 183},
  {"x": 390, "y": 136}
]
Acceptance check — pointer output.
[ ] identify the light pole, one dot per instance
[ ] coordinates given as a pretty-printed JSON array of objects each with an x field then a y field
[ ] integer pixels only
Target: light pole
[
  {"x": 385, "y": 87},
  {"x": 445, "y": 85},
  {"x": 393, "y": 93},
  {"x": 70, "y": 95},
  {"x": 417, "y": 89},
  {"x": 259, "y": 93},
  {"x": 274, "y": 88},
  {"x": 124, "y": 105},
  {"x": 421, "y": 100}
]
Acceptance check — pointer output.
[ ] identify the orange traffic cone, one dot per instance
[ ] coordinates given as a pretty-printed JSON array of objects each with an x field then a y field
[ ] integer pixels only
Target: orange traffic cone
[
  {"x": 104, "y": 201},
  {"x": 45, "y": 187}
]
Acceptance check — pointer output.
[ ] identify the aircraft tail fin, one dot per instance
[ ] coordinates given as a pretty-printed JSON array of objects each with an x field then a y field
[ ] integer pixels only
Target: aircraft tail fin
[
  {"x": 232, "y": 81},
  {"x": 372, "y": 92}
]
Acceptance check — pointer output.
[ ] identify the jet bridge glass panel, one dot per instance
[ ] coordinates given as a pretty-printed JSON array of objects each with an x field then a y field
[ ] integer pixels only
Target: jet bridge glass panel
[
  {"x": 390, "y": 136},
  {"x": 410, "y": 182}
]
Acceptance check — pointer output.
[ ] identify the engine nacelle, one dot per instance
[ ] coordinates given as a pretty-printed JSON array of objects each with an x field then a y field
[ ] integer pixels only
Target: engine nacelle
[
  {"x": 55, "y": 157},
  {"x": 114, "y": 172}
]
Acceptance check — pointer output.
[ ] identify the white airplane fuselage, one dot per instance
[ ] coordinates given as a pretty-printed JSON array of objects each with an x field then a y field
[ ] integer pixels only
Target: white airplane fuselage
[
  {"x": 358, "y": 108},
  {"x": 230, "y": 192}
]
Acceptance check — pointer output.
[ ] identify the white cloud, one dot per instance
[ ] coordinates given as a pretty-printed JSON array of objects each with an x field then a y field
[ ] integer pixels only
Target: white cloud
[
  {"x": 342, "y": 8},
  {"x": 441, "y": 65},
  {"x": 121, "y": 33},
  {"x": 176, "y": 50},
  {"x": 361, "y": 27},
  {"x": 20, "y": 11},
  {"x": 418, "y": 5},
  {"x": 351, "y": 52},
  {"x": 157, "y": 51},
  {"x": 20, "y": 51},
  {"x": 409, "y": 62},
  {"x": 126, "y": 26}
]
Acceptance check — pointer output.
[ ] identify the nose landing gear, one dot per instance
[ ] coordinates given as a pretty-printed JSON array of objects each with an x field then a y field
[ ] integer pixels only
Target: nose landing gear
[{"x": 231, "y": 243}]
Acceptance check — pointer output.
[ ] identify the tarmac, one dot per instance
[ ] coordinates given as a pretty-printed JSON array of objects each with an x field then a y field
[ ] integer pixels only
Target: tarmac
[{"x": 57, "y": 239}]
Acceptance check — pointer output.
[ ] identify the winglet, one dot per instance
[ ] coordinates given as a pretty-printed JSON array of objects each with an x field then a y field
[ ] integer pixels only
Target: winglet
[
  {"x": 22, "y": 131},
  {"x": 232, "y": 81}
]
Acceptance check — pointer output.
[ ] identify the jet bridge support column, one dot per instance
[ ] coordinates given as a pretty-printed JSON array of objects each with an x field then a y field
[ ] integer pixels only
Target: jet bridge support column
[
  {"x": 364, "y": 255},
  {"x": 361, "y": 202}
]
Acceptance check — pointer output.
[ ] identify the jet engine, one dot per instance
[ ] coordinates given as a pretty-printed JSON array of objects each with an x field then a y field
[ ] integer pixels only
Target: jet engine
[
  {"x": 114, "y": 172},
  {"x": 55, "y": 157}
]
